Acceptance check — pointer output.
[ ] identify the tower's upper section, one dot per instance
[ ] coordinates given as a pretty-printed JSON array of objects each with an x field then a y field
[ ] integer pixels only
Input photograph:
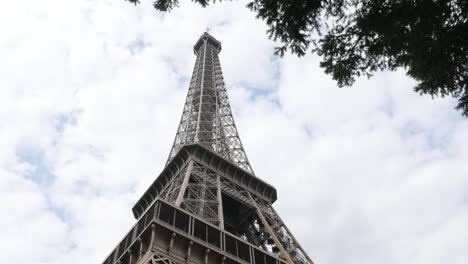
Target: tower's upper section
[
  {"x": 207, "y": 118},
  {"x": 206, "y": 38}
]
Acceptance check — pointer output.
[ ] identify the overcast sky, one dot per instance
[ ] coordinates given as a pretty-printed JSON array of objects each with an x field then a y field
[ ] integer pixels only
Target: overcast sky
[{"x": 91, "y": 96}]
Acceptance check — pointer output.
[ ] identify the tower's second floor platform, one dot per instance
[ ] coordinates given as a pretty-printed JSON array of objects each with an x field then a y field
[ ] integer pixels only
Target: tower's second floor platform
[{"x": 168, "y": 233}]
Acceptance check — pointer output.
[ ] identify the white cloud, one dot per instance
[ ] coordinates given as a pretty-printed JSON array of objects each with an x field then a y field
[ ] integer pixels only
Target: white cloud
[{"x": 92, "y": 93}]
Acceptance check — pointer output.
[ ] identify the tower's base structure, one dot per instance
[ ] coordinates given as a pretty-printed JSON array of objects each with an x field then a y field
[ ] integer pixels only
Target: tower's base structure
[{"x": 207, "y": 206}]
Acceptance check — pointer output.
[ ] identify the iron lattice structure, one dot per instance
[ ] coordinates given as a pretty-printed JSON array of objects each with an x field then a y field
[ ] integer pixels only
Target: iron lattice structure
[
  {"x": 207, "y": 206},
  {"x": 207, "y": 116}
]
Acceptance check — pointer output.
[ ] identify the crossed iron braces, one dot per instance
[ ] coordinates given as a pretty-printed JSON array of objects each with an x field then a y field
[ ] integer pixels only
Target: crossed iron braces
[
  {"x": 208, "y": 180},
  {"x": 207, "y": 118}
]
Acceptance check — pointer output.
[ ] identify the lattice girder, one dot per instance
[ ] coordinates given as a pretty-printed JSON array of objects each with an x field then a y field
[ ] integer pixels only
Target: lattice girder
[
  {"x": 207, "y": 116},
  {"x": 207, "y": 206},
  {"x": 204, "y": 195}
]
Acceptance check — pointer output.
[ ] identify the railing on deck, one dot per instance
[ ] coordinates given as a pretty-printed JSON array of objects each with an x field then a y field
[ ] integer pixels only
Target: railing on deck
[{"x": 195, "y": 228}]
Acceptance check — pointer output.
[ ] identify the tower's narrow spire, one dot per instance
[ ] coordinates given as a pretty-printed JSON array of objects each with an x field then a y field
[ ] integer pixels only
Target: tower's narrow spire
[{"x": 207, "y": 116}]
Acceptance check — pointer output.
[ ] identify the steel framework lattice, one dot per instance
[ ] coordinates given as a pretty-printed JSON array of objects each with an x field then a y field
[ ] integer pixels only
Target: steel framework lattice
[
  {"x": 207, "y": 206},
  {"x": 207, "y": 118}
]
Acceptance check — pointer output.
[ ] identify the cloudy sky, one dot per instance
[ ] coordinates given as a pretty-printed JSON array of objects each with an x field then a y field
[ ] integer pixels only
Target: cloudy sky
[{"x": 91, "y": 96}]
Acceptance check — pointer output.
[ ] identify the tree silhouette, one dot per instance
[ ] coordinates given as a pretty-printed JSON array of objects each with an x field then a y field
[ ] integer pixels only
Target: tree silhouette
[{"x": 427, "y": 38}]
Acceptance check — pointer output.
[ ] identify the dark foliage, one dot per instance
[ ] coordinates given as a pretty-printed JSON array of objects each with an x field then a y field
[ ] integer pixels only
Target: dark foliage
[{"x": 428, "y": 38}]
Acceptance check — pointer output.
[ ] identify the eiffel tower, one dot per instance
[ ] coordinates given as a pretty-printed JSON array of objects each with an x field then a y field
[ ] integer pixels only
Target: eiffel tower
[{"x": 207, "y": 206}]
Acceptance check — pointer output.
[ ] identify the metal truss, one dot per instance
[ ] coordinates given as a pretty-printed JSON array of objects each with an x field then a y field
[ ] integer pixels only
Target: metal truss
[
  {"x": 172, "y": 190},
  {"x": 207, "y": 206},
  {"x": 201, "y": 195},
  {"x": 288, "y": 243},
  {"x": 258, "y": 231},
  {"x": 196, "y": 190},
  {"x": 207, "y": 117},
  {"x": 200, "y": 192}
]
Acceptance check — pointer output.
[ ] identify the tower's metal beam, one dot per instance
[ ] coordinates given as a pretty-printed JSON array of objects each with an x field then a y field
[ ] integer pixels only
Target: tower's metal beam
[{"x": 207, "y": 117}]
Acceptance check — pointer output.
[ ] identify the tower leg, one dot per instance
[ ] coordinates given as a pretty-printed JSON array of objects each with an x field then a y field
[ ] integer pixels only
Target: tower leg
[
  {"x": 275, "y": 224},
  {"x": 220, "y": 203},
  {"x": 183, "y": 188},
  {"x": 272, "y": 234}
]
